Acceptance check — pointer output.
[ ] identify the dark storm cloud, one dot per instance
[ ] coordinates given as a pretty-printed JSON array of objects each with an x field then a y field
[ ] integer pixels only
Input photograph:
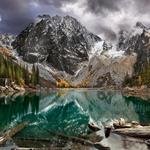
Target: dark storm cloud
[
  {"x": 57, "y": 3},
  {"x": 105, "y": 7},
  {"x": 100, "y": 6},
  {"x": 105, "y": 17},
  {"x": 17, "y": 14},
  {"x": 123, "y": 26},
  {"x": 143, "y": 6},
  {"x": 14, "y": 15},
  {"x": 109, "y": 34}
]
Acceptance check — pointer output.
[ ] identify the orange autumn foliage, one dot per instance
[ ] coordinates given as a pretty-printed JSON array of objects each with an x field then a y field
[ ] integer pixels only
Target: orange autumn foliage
[
  {"x": 5, "y": 52},
  {"x": 62, "y": 84}
]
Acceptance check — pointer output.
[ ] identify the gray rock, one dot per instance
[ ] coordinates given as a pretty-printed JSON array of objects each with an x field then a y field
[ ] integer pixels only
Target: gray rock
[{"x": 6, "y": 40}]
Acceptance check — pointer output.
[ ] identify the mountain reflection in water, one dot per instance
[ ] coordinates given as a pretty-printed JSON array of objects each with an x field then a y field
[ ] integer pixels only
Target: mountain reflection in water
[{"x": 69, "y": 111}]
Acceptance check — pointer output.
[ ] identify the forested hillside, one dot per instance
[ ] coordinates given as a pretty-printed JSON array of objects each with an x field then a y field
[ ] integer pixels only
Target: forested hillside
[{"x": 12, "y": 72}]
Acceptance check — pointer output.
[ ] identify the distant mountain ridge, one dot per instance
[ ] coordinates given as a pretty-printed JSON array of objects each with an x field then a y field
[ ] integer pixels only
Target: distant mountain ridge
[{"x": 67, "y": 54}]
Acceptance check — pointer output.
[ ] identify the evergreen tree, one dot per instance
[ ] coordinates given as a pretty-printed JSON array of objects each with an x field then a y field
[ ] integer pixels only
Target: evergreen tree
[
  {"x": 37, "y": 75},
  {"x": 33, "y": 75},
  {"x": 26, "y": 75},
  {"x": 18, "y": 73}
]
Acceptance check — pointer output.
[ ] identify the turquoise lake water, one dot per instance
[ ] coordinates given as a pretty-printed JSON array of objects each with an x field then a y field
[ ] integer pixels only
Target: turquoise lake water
[{"x": 69, "y": 111}]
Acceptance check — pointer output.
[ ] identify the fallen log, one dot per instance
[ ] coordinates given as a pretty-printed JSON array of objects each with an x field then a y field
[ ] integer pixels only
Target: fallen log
[
  {"x": 32, "y": 139},
  {"x": 24, "y": 148},
  {"x": 122, "y": 123},
  {"x": 93, "y": 127},
  {"x": 86, "y": 140},
  {"x": 73, "y": 139},
  {"x": 11, "y": 132},
  {"x": 82, "y": 141},
  {"x": 93, "y": 137},
  {"x": 128, "y": 125},
  {"x": 139, "y": 132}
]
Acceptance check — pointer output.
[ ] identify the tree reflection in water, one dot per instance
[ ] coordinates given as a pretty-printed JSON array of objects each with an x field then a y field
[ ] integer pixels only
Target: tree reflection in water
[{"x": 69, "y": 111}]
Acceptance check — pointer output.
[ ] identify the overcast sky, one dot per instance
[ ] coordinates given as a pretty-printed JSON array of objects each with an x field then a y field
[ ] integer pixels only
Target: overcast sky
[{"x": 103, "y": 17}]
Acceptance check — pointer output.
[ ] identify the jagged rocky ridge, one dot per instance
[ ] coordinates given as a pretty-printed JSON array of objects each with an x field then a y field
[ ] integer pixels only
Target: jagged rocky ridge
[
  {"x": 62, "y": 44},
  {"x": 138, "y": 41}
]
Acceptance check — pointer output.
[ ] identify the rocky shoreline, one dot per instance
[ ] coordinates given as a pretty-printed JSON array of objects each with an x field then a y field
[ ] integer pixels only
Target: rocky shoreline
[
  {"x": 131, "y": 131},
  {"x": 141, "y": 92},
  {"x": 11, "y": 89}
]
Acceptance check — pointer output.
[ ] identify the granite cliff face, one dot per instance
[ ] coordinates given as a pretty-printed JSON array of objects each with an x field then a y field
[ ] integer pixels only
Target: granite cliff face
[
  {"x": 140, "y": 44},
  {"x": 127, "y": 62},
  {"x": 106, "y": 69},
  {"x": 61, "y": 42}
]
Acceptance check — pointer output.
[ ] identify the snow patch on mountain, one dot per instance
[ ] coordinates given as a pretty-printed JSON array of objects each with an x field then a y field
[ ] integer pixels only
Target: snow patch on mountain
[
  {"x": 113, "y": 53},
  {"x": 136, "y": 31},
  {"x": 103, "y": 48},
  {"x": 97, "y": 49}
]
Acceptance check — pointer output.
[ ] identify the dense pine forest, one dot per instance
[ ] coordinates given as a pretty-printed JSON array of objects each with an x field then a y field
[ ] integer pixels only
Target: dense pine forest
[
  {"x": 142, "y": 77},
  {"x": 16, "y": 73}
]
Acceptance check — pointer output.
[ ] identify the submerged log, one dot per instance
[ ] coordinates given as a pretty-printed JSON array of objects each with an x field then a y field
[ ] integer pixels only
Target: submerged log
[
  {"x": 139, "y": 132},
  {"x": 93, "y": 127},
  {"x": 127, "y": 125},
  {"x": 31, "y": 148},
  {"x": 86, "y": 142},
  {"x": 93, "y": 137},
  {"x": 73, "y": 139},
  {"x": 11, "y": 132}
]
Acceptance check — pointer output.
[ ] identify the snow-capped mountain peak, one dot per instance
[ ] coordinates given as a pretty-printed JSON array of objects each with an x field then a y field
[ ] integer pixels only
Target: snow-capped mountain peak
[{"x": 56, "y": 38}]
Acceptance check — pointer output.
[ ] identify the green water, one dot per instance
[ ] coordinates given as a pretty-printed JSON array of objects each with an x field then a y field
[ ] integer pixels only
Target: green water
[{"x": 69, "y": 111}]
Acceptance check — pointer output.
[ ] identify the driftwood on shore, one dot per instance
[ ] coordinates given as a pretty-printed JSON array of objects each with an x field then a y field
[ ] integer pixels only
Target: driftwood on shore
[
  {"x": 11, "y": 132},
  {"x": 139, "y": 132}
]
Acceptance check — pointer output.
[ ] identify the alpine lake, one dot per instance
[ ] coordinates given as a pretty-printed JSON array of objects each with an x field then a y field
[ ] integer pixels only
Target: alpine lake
[{"x": 67, "y": 112}]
